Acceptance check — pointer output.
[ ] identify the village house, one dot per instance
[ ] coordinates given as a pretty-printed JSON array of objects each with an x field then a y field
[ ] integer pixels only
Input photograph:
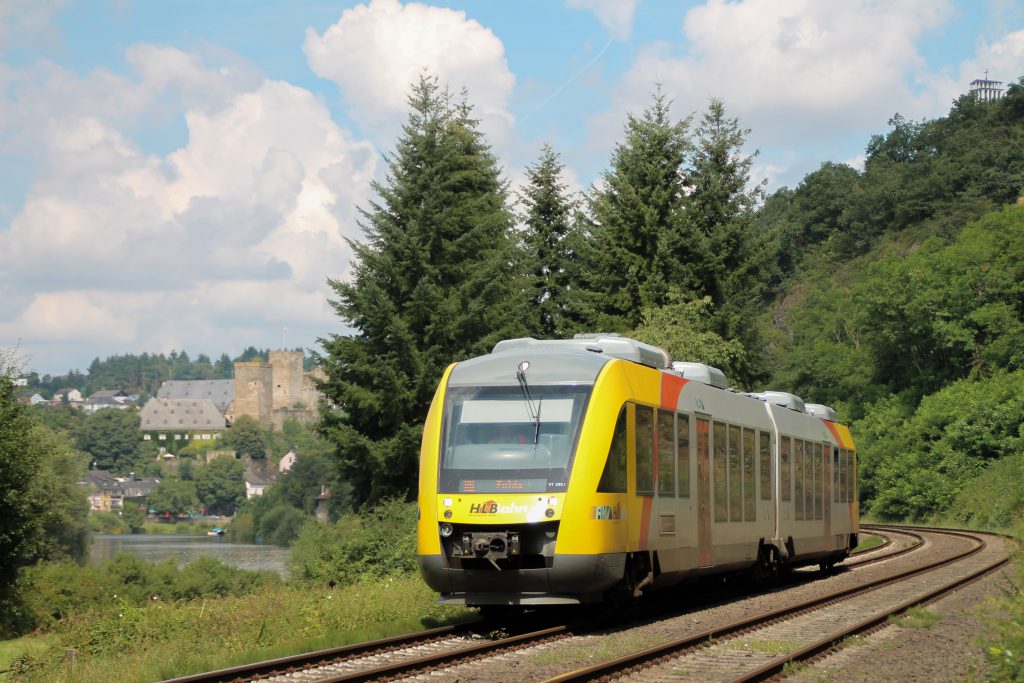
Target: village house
[{"x": 108, "y": 493}]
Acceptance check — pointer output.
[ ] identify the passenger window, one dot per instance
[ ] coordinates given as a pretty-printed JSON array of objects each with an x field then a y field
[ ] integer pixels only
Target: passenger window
[
  {"x": 786, "y": 456},
  {"x": 645, "y": 450},
  {"x": 765, "y": 453},
  {"x": 613, "y": 479},
  {"x": 683, "y": 451},
  {"x": 841, "y": 488},
  {"x": 735, "y": 475},
  {"x": 720, "y": 469},
  {"x": 798, "y": 464},
  {"x": 820, "y": 453},
  {"x": 749, "y": 506},
  {"x": 852, "y": 477},
  {"x": 666, "y": 454},
  {"x": 835, "y": 474}
]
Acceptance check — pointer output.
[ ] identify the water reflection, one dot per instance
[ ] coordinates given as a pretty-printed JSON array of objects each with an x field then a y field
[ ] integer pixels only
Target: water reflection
[{"x": 185, "y": 549}]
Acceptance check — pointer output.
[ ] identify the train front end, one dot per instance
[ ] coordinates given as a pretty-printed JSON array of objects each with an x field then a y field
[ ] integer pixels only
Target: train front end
[{"x": 508, "y": 439}]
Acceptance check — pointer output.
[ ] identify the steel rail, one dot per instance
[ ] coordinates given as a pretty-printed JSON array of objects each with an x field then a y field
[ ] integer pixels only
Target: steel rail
[
  {"x": 651, "y": 655},
  {"x": 283, "y": 665},
  {"x": 835, "y": 640}
]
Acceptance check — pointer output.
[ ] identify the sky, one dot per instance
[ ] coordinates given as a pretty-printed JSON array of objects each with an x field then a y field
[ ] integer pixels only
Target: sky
[{"x": 184, "y": 175}]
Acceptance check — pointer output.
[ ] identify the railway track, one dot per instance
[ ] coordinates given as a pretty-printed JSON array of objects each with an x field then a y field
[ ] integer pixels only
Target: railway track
[
  {"x": 450, "y": 646},
  {"x": 745, "y": 649}
]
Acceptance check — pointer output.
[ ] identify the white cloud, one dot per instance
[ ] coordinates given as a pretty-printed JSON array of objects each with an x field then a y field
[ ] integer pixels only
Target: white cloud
[
  {"x": 221, "y": 242},
  {"x": 799, "y": 73},
  {"x": 614, "y": 15},
  {"x": 23, "y": 21},
  {"x": 376, "y": 52}
]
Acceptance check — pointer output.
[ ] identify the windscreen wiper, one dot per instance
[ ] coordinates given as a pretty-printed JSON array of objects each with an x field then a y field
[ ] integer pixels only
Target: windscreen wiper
[{"x": 534, "y": 411}]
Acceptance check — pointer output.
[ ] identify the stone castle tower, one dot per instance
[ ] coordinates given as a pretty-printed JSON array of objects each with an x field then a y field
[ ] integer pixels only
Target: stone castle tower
[
  {"x": 286, "y": 370},
  {"x": 253, "y": 391},
  {"x": 273, "y": 391}
]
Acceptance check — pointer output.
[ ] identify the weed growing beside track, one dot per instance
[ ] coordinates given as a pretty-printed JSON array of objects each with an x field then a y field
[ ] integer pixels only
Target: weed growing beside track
[{"x": 164, "y": 639}]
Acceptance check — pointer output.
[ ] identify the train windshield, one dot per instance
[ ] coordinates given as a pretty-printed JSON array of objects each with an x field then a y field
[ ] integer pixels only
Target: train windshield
[{"x": 497, "y": 440}]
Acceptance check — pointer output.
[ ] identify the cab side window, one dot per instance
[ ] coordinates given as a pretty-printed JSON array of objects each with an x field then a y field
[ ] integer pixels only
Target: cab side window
[
  {"x": 645, "y": 450},
  {"x": 613, "y": 479}
]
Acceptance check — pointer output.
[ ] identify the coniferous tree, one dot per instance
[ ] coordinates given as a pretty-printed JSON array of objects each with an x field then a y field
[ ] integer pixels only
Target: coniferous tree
[
  {"x": 550, "y": 244},
  {"x": 431, "y": 284},
  {"x": 721, "y": 204},
  {"x": 720, "y": 207},
  {"x": 640, "y": 243}
]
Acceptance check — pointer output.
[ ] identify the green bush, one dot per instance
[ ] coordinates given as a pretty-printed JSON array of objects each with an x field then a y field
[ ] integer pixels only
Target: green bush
[
  {"x": 281, "y": 525},
  {"x": 377, "y": 543},
  {"x": 915, "y": 467},
  {"x": 994, "y": 499},
  {"x": 102, "y": 522},
  {"x": 51, "y": 592}
]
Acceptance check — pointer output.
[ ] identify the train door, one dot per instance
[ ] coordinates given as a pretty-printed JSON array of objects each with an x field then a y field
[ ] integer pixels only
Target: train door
[
  {"x": 827, "y": 481},
  {"x": 704, "y": 555}
]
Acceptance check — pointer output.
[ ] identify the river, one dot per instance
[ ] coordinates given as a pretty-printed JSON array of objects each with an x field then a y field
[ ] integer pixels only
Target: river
[{"x": 184, "y": 549}]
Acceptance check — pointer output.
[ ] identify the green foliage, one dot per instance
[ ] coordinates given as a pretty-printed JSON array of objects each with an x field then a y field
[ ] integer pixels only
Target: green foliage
[
  {"x": 113, "y": 439},
  {"x": 42, "y": 508},
  {"x": 125, "y": 640},
  {"x": 551, "y": 242},
  {"x": 379, "y": 542},
  {"x": 102, "y": 522},
  {"x": 175, "y": 496},
  {"x": 917, "y": 465},
  {"x": 640, "y": 242},
  {"x": 278, "y": 515},
  {"x": 684, "y": 329},
  {"x": 281, "y": 525},
  {"x": 907, "y": 322},
  {"x": 248, "y": 437},
  {"x": 1005, "y": 637},
  {"x": 433, "y": 282},
  {"x": 219, "y": 485},
  {"x": 995, "y": 498},
  {"x": 53, "y": 592}
]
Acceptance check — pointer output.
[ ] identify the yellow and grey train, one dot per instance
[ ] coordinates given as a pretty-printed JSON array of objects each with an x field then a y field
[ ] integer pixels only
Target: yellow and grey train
[{"x": 569, "y": 471}]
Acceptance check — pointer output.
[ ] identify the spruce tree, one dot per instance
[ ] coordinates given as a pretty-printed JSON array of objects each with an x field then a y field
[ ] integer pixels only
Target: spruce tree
[
  {"x": 640, "y": 243},
  {"x": 721, "y": 204},
  {"x": 550, "y": 244},
  {"x": 431, "y": 284},
  {"x": 720, "y": 208}
]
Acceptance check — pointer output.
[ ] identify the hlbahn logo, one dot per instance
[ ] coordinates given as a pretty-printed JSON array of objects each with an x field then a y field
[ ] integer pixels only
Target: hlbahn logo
[{"x": 492, "y": 508}]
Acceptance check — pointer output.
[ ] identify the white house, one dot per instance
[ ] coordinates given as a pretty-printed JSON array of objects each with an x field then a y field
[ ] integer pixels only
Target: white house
[
  {"x": 286, "y": 462},
  {"x": 255, "y": 485}
]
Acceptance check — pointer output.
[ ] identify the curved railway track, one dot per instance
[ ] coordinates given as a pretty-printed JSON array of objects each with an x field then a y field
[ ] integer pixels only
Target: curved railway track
[{"x": 450, "y": 646}]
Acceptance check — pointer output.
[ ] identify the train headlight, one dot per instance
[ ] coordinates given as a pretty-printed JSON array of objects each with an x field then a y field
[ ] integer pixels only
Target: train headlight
[
  {"x": 447, "y": 502},
  {"x": 446, "y": 529},
  {"x": 447, "y": 514},
  {"x": 552, "y": 502},
  {"x": 549, "y": 512}
]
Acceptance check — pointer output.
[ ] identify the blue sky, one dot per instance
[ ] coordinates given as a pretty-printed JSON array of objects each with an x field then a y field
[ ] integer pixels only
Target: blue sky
[{"x": 183, "y": 175}]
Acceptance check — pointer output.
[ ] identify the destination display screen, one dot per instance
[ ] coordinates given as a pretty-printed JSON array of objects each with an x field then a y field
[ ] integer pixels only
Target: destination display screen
[{"x": 501, "y": 485}]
